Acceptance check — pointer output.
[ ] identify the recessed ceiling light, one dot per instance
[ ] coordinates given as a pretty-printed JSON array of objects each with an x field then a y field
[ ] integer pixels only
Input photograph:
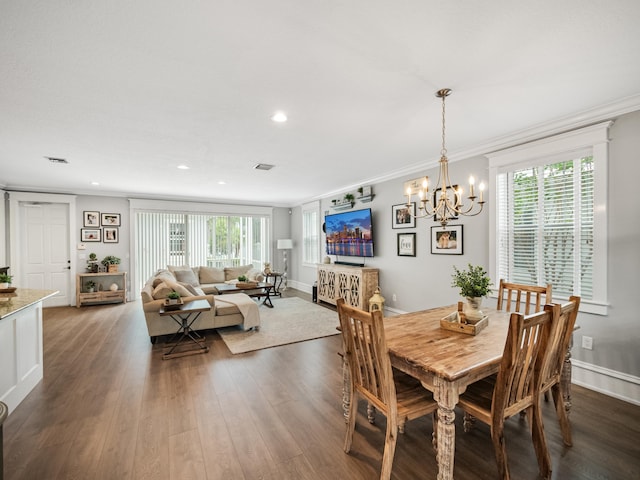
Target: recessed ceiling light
[
  {"x": 222, "y": 182},
  {"x": 279, "y": 117},
  {"x": 95, "y": 183},
  {"x": 183, "y": 167}
]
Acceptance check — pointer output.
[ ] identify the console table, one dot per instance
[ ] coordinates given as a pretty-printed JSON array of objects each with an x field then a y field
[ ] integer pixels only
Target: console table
[
  {"x": 103, "y": 294},
  {"x": 355, "y": 284}
]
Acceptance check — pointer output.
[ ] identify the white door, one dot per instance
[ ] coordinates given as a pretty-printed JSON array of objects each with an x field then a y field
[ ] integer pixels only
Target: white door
[{"x": 44, "y": 238}]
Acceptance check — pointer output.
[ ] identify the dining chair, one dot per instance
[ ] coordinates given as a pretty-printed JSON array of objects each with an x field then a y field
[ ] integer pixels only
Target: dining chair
[
  {"x": 516, "y": 387},
  {"x": 399, "y": 397},
  {"x": 553, "y": 364},
  {"x": 514, "y": 297}
]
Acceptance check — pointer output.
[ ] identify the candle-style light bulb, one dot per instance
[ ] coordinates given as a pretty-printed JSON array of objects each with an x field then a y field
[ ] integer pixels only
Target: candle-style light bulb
[
  {"x": 471, "y": 182},
  {"x": 425, "y": 184},
  {"x": 408, "y": 195},
  {"x": 481, "y": 191}
]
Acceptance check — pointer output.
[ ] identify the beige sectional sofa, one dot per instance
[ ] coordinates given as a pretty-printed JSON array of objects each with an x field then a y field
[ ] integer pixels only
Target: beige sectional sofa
[{"x": 194, "y": 283}]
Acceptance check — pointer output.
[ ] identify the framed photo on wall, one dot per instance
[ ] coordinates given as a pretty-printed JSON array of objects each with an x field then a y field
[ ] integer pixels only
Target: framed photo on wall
[
  {"x": 110, "y": 234},
  {"x": 110, "y": 219},
  {"x": 407, "y": 244},
  {"x": 91, "y": 219},
  {"x": 451, "y": 195},
  {"x": 446, "y": 240},
  {"x": 90, "y": 235},
  {"x": 403, "y": 216}
]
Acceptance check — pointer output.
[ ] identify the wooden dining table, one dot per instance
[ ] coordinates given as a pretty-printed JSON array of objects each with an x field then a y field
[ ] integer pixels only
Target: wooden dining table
[{"x": 445, "y": 362}]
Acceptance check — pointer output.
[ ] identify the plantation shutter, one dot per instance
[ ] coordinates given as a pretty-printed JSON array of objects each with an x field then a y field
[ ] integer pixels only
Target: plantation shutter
[{"x": 545, "y": 226}]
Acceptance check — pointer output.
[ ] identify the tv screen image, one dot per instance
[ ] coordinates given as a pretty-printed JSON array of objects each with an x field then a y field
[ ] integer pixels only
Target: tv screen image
[{"x": 349, "y": 233}]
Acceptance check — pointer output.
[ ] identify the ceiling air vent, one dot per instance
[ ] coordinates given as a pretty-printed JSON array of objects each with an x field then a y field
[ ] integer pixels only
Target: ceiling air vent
[
  {"x": 56, "y": 160},
  {"x": 263, "y": 166}
]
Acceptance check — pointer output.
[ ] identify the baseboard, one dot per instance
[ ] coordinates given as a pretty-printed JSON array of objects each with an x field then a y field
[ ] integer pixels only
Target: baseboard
[{"x": 604, "y": 380}]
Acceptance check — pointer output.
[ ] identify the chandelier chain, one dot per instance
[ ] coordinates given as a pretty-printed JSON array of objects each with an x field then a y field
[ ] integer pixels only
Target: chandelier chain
[{"x": 443, "y": 152}]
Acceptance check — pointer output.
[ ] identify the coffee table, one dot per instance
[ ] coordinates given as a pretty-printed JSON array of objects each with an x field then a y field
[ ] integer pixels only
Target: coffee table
[{"x": 261, "y": 289}]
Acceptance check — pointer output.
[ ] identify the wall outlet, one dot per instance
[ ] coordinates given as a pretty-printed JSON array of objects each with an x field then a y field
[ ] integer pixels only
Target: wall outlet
[
  {"x": 587, "y": 342},
  {"x": 393, "y": 297}
]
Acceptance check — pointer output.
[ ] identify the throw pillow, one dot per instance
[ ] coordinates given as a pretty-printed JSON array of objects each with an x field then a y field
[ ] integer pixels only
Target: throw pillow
[
  {"x": 234, "y": 272},
  {"x": 161, "y": 291},
  {"x": 192, "y": 289},
  {"x": 186, "y": 276},
  {"x": 255, "y": 275},
  {"x": 179, "y": 288},
  {"x": 211, "y": 275}
]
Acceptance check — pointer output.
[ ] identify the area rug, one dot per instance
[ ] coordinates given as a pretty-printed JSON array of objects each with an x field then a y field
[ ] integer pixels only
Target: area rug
[{"x": 291, "y": 320}]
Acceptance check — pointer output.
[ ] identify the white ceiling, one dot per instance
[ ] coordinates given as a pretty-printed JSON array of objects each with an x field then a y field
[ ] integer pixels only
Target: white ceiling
[{"x": 127, "y": 91}]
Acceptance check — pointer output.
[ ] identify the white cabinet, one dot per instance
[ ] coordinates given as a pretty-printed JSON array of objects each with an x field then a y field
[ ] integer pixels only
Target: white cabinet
[{"x": 355, "y": 284}]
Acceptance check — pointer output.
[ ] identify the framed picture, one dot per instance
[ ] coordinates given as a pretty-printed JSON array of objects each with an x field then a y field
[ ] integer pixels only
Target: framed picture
[
  {"x": 407, "y": 244},
  {"x": 110, "y": 219},
  {"x": 403, "y": 216},
  {"x": 446, "y": 240},
  {"x": 451, "y": 195},
  {"x": 90, "y": 235},
  {"x": 110, "y": 234},
  {"x": 91, "y": 219}
]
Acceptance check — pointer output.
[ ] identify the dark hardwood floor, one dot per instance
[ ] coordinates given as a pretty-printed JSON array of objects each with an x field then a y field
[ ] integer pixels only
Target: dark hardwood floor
[{"x": 110, "y": 408}]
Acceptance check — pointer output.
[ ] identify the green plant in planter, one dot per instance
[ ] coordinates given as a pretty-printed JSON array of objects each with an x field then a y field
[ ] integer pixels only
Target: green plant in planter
[
  {"x": 110, "y": 260},
  {"x": 348, "y": 197},
  {"x": 93, "y": 257},
  {"x": 173, "y": 295},
  {"x": 242, "y": 278},
  {"x": 90, "y": 285},
  {"x": 5, "y": 278},
  {"x": 474, "y": 282}
]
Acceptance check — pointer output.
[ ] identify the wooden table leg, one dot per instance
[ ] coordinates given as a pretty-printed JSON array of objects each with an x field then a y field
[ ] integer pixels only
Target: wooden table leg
[{"x": 446, "y": 394}]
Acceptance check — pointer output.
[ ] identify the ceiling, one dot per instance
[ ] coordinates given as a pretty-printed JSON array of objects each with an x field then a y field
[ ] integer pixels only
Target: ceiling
[{"x": 127, "y": 91}]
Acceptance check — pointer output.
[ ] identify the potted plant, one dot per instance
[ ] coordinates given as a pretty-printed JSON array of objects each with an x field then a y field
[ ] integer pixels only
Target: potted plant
[
  {"x": 90, "y": 286},
  {"x": 111, "y": 262},
  {"x": 5, "y": 280},
  {"x": 92, "y": 263},
  {"x": 173, "y": 301},
  {"x": 242, "y": 278},
  {"x": 474, "y": 283},
  {"x": 349, "y": 198}
]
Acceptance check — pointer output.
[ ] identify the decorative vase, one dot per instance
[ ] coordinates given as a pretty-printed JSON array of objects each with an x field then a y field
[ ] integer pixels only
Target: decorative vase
[
  {"x": 112, "y": 268},
  {"x": 113, "y": 287},
  {"x": 4, "y": 286},
  {"x": 90, "y": 289},
  {"x": 472, "y": 309}
]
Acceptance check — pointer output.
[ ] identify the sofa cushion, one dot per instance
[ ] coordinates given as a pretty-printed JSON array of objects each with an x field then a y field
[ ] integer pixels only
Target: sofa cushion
[
  {"x": 161, "y": 291},
  {"x": 146, "y": 294},
  {"x": 231, "y": 273},
  {"x": 166, "y": 287},
  {"x": 255, "y": 275},
  {"x": 193, "y": 290},
  {"x": 187, "y": 276},
  {"x": 211, "y": 275},
  {"x": 162, "y": 275}
]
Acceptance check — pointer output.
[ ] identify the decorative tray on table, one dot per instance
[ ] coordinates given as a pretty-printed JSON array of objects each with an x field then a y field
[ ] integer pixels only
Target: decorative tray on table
[
  {"x": 458, "y": 322},
  {"x": 173, "y": 305},
  {"x": 246, "y": 284},
  {"x": 8, "y": 290}
]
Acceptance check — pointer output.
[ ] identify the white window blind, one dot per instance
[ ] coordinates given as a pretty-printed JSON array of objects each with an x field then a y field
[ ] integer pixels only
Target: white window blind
[
  {"x": 311, "y": 233},
  {"x": 169, "y": 238},
  {"x": 546, "y": 226},
  {"x": 549, "y": 215}
]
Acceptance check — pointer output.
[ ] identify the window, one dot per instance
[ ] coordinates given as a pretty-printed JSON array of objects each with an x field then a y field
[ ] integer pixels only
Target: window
[
  {"x": 311, "y": 233},
  {"x": 167, "y": 238},
  {"x": 547, "y": 225}
]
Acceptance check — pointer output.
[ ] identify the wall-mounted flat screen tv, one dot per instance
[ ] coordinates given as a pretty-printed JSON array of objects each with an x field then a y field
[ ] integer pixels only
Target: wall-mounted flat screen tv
[{"x": 349, "y": 233}]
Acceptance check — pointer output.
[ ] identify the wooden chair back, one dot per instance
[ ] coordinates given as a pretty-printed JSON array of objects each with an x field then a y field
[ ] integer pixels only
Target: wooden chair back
[
  {"x": 367, "y": 356},
  {"x": 520, "y": 297},
  {"x": 558, "y": 344},
  {"x": 524, "y": 351}
]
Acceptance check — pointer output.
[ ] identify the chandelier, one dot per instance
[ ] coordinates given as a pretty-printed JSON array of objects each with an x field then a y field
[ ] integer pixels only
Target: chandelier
[{"x": 447, "y": 203}]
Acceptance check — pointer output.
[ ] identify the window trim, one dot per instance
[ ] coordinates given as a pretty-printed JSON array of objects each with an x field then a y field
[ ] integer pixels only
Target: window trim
[
  {"x": 311, "y": 207},
  {"x": 595, "y": 138}
]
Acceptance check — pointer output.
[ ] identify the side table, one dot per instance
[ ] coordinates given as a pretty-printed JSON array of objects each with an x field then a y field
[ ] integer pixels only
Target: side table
[
  {"x": 276, "y": 280},
  {"x": 184, "y": 316}
]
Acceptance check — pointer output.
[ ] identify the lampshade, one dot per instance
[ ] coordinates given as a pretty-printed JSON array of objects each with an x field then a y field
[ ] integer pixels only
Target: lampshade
[{"x": 285, "y": 244}]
